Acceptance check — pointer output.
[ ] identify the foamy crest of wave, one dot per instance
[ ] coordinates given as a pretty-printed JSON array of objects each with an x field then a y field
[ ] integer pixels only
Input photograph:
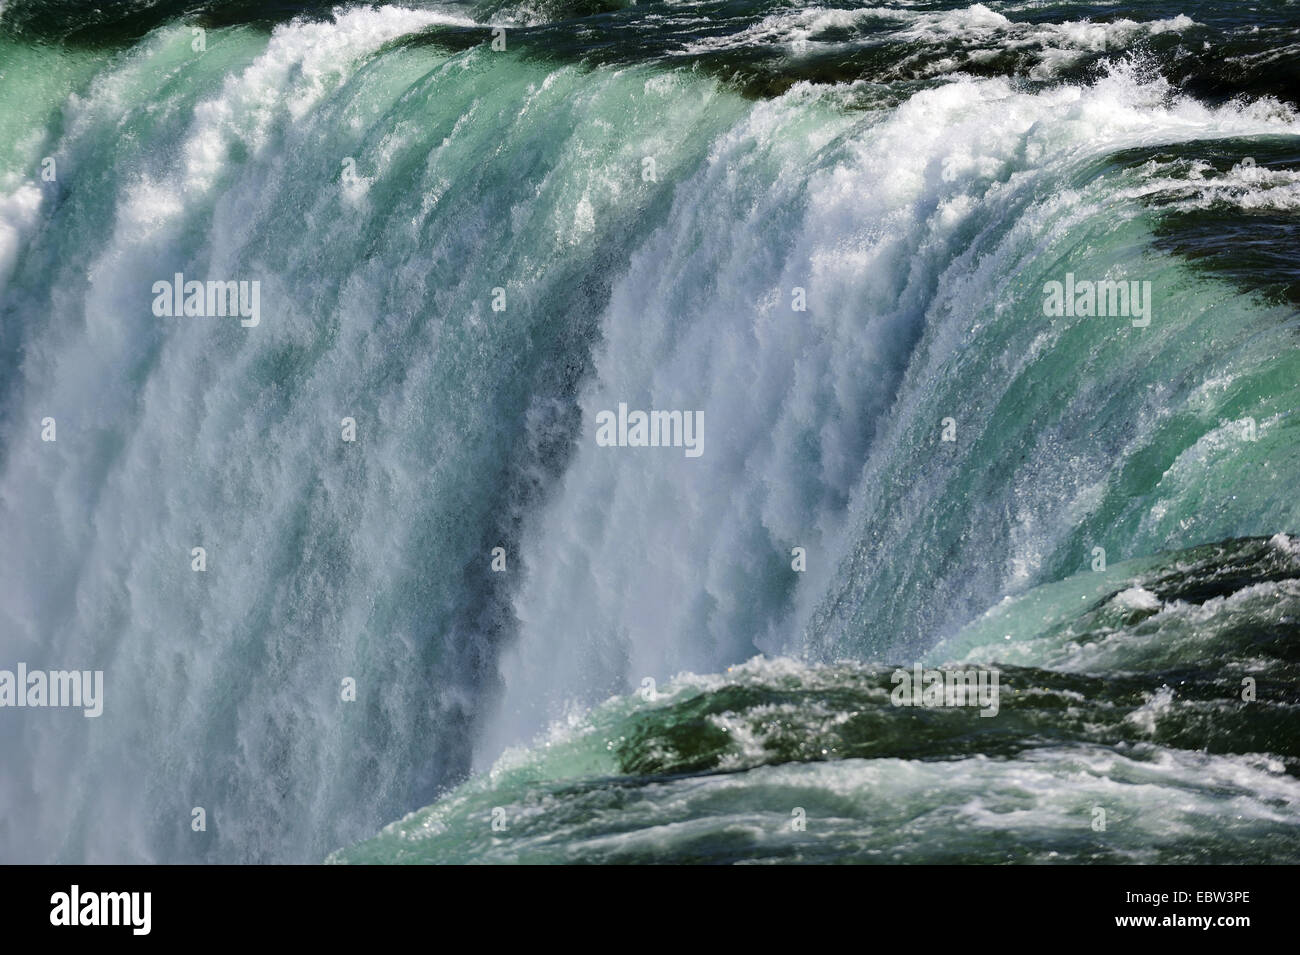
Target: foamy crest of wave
[
  {"x": 1196, "y": 184},
  {"x": 978, "y": 31}
]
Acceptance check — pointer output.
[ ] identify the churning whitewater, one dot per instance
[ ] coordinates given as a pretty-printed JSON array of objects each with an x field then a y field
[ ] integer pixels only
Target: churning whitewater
[{"x": 363, "y": 579}]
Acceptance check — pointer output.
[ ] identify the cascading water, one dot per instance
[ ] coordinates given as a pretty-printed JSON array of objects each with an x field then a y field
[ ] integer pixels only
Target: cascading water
[{"x": 825, "y": 230}]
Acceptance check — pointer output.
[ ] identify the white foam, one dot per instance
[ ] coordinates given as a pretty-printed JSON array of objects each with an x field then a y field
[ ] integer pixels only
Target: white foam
[
  {"x": 19, "y": 210},
  {"x": 1137, "y": 598},
  {"x": 303, "y": 61},
  {"x": 1187, "y": 185},
  {"x": 981, "y": 31}
]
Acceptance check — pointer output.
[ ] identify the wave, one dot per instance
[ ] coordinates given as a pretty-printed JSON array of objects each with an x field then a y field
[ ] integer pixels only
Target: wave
[
  {"x": 1131, "y": 712},
  {"x": 764, "y": 48},
  {"x": 384, "y": 173},
  {"x": 193, "y": 433},
  {"x": 924, "y": 238}
]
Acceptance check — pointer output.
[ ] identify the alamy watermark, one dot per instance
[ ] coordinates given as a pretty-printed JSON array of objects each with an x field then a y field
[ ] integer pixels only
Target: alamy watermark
[
  {"x": 973, "y": 687},
  {"x": 37, "y": 688},
  {"x": 651, "y": 429},
  {"x": 209, "y": 299},
  {"x": 1105, "y": 298}
]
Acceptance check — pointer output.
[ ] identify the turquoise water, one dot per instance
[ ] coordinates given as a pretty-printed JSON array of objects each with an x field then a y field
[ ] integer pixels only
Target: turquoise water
[{"x": 920, "y": 171}]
